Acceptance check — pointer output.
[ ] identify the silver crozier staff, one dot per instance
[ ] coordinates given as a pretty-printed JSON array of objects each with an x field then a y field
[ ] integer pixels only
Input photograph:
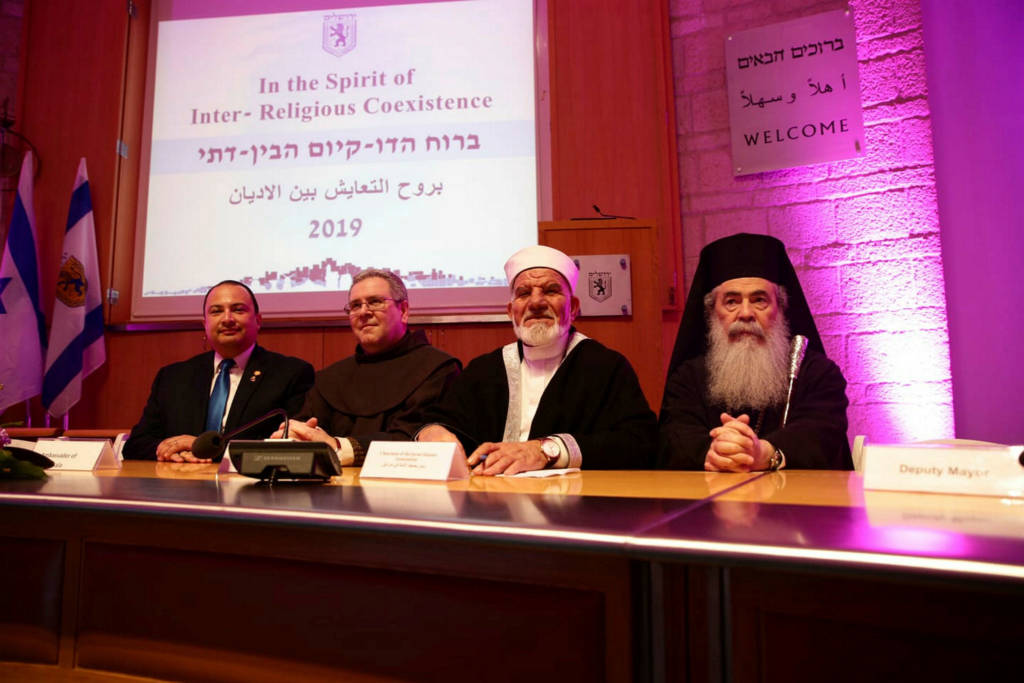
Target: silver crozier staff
[{"x": 797, "y": 349}]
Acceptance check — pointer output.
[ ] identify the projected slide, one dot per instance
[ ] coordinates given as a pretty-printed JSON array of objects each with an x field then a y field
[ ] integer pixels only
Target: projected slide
[{"x": 293, "y": 149}]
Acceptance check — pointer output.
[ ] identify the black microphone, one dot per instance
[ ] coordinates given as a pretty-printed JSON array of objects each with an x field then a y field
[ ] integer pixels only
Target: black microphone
[
  {"x": 208, "y": 446},
  {"x": 602, "y": 214},
  {"x": 211, "y": 445}
]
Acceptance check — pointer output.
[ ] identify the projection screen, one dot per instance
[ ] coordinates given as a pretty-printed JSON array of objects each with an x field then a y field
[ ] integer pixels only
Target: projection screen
[{"x": 291, "y": 144}]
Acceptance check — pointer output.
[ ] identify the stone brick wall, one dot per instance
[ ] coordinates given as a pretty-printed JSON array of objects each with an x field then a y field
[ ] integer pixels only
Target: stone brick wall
[{"x": 863, "y": 234}]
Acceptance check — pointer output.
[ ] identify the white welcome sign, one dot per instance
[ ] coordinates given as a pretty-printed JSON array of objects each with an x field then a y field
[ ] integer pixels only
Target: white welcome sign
[{"x": 794, "y": 93}]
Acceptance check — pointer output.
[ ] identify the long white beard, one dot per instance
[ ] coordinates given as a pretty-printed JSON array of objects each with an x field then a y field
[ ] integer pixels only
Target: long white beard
[
  {"x": 747, "y": 373},
  {"x": 540, "y": 334}
]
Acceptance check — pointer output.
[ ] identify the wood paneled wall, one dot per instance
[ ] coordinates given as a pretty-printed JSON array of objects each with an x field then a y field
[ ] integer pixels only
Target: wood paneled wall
[{"x": 612, "y": 144}]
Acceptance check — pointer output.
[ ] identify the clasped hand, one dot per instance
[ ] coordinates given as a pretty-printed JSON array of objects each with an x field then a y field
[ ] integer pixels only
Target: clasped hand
[{"x": 735, "y": 447}]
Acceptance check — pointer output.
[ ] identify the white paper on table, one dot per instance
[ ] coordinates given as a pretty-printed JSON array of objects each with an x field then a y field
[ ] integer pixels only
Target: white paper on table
[{"x": 540, "y": 474}]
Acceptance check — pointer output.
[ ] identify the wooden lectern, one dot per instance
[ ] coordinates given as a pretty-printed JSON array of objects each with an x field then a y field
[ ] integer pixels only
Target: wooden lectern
[{"x": 637, "y": 336}]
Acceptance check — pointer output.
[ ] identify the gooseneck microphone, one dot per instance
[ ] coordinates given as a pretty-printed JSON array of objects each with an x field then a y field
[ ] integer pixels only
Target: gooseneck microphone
[
  {"x": 211, "y": 445},
  {"x": 797, "y": 349},
  {"x": 602, "y": 214}
]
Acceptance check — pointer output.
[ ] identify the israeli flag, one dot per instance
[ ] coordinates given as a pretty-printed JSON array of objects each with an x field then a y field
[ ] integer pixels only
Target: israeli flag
[
  {"x": 22, "y": 325},
  {"x": 76, "y": 335}
]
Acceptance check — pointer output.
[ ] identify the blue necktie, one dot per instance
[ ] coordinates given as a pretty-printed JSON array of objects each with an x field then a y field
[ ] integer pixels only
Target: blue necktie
[{"x": 219, "y": 397}]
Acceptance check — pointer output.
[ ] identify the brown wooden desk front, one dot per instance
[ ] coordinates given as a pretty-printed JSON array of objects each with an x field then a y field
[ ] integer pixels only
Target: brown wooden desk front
[{"x": 171, "y": 572}]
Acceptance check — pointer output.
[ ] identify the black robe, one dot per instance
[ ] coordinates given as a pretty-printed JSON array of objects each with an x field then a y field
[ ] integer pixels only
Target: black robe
[
  {"x": 814, "y": 436},
  {"x": 594, "y": 397},
  {"x": 181, "y": 392},
  {"x": 383, "y": 396}
]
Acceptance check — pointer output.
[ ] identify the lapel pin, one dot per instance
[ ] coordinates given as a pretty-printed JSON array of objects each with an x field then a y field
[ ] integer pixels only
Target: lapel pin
[{"x": 255, "y": 374}]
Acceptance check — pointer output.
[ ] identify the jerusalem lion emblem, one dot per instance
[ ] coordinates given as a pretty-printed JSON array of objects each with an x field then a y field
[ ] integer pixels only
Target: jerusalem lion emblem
[{"x": 71, "y": 283}]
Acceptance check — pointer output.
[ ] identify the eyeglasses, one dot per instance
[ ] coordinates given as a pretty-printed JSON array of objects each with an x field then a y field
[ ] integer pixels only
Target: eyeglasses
[{"x": 374, "y": 303}]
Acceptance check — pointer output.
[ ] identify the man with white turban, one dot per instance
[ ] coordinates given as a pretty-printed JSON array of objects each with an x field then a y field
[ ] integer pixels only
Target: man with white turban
[{"x": 552, "y": 399}]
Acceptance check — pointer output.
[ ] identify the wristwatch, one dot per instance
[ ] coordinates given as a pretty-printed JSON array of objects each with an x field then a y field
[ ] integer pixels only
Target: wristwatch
[
  {"x": 549, "y": 447},
  {"x": 775, "y": 462}
]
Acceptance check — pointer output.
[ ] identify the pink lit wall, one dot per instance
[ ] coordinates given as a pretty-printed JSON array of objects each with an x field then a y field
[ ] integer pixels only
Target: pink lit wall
[
  {"x": 976, "y": 89},
  {"x": 863, "y": 234}
]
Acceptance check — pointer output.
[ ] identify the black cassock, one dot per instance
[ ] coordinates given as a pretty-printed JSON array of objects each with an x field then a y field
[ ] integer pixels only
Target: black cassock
[
  {"x": 593, "y": 401},
  {"x": 814, "y": 436}
]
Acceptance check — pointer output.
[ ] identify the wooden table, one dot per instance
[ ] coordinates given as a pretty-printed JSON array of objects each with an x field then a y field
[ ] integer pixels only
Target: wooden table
[{"x": 173, "y": 572}]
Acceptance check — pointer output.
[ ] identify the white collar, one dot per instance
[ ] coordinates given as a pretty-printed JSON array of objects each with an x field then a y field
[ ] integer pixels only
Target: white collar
[
  {"x": 554, "y": 349},
  {"x": 241, "y": 360}
]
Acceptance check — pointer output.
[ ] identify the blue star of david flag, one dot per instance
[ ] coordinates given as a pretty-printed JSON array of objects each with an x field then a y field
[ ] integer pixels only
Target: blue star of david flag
[
  {"x": 76, "y": 336},
  {"x": 22, "y": 325}
]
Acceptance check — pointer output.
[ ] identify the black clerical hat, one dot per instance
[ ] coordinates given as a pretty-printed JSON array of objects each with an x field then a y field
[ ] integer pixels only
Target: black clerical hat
[{"x": 741, "y": 255}]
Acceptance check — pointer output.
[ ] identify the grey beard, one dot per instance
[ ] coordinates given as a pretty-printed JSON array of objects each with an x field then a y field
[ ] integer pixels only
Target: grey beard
[
  {"x": 540, "y": 334},
  {"x": 746, "y": 373}
]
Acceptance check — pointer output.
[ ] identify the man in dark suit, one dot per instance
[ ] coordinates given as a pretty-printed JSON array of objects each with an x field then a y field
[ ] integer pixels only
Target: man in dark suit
[{"x": 234, "y": 383}]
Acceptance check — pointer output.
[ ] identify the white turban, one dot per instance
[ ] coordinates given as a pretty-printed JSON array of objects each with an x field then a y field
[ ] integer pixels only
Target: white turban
[{"x": 540, "y": 256}]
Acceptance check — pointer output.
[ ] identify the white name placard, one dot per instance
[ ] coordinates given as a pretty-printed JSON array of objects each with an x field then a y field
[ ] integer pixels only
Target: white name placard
[
  {"x": 941, "y": 468},
  {"x": 79, "y": 454},
  {"x": 119, "y": 441},
  {"x": 433, "y": 460}
]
